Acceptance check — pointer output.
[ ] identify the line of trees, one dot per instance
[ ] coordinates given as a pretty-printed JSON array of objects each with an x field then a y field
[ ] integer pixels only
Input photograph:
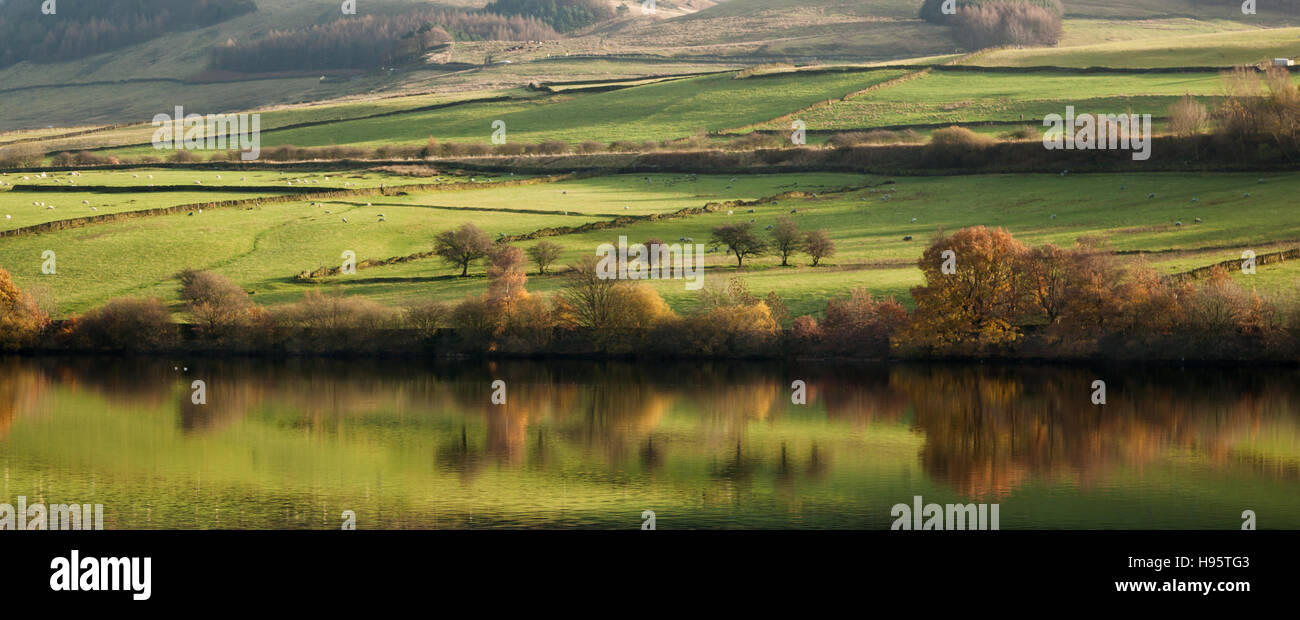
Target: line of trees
[
  {"x": 997, "y": 298},
  {"x": 562, "y": 15},
  {"x": 82, "y": 28},
  {"x": 372, "y": 41}
]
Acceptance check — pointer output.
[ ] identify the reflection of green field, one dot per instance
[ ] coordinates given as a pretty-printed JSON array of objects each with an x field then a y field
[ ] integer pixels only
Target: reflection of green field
[{"x": 295, "y": 451}]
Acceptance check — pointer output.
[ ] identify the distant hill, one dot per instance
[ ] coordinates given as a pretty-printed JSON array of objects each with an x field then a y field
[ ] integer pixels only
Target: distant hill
[{"x": 81, "y": 28}]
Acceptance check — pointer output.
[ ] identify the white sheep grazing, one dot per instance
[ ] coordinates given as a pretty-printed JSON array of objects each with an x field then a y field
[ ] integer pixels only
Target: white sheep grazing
[
  {"x": 94, "y": 209},
  {"x": 9, "y": 217},
  {"x": 85, "y": 202}
]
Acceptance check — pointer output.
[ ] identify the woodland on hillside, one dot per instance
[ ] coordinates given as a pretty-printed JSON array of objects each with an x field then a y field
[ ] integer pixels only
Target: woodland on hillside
[{"x": 83, "y": 28}]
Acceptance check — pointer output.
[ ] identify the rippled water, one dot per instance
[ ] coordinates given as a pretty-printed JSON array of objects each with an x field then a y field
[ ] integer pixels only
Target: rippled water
[{"x": 411, "y": 444}]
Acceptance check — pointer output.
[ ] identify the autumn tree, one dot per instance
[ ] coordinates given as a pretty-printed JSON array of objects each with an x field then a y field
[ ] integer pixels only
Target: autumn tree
[
  {"x": 462, "y": 246},
  {"x": 972, "y": 309},
  {"x": 587, "y": 298},
  {"x": 220, "y": 307},
  {"x": 859, "y": 324},
  {"x": 740, "y": 241},
  {"x": 21, "y": 318}
]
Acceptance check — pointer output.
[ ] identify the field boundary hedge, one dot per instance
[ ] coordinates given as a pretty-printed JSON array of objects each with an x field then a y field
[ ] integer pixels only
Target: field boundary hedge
[{"x": 1262, "y": 259}]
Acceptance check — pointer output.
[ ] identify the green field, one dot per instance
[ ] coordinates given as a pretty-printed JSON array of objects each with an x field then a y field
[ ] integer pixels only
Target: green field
[
  {"x": 1158, "y": 48},
  {"x": 262, "y": 248},
  {"x": 963, "y": 97}
]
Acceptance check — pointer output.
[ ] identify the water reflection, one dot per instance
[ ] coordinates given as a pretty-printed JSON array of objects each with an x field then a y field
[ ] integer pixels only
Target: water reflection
[{"x": 291, "y": 443}]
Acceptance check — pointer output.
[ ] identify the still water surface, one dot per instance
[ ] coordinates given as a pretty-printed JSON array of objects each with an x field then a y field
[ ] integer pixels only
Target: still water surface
[{"x": 414, "y": 444}]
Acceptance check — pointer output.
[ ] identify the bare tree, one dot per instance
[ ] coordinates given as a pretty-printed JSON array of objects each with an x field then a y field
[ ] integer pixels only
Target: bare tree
[
  {"x": 786, "y": 239},
  {"x": 544, "y": 254},
  {"x": 740, "y": 240},
  {"x": 818, "y": 245},
  {"x": 462, "y": 246}
]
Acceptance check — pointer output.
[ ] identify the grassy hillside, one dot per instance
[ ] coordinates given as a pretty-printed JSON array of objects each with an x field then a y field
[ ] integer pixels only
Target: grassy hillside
[
  {"x": 134, "y": 83},
  {"x": 263, "y": 248}
]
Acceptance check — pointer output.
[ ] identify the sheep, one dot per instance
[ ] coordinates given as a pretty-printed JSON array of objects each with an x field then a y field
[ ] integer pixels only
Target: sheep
[
  {"x": 1194, "y": 199},
  {"x": 1150, "y": 196},
  {"x": 729, "y": 212},
  {"x": 751, "y": 211},
  {"x": 1178, "y": 223},
  {"x": 913, "y": 220},
  {"x": 907, "y": 237},
  {"x": 94, "y": 208},
  {"x": 345, "y": 220},
  {"x": 85, "y": 202},
  {"x": 626, "y": 207},
  {"x": 328, "y": 212},
  {"x": 1246, "y": 195},
  {"x": 9, "y": 217},
  {"x": 793, "y": 211},
  {"x": 751, "y": 220},
  {"x": 190, "y": 214},
  {"x": 1196, "y": 221},
  {"x": 382, "y": 219},
  {"x": 1053, "y": 216},
  {"x": 1259, "y": 181},
  {"x": 769, "y": 227}
]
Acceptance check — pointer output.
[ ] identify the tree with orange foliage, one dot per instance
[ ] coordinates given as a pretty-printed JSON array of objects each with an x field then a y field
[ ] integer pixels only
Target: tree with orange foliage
[
  {"x": 860, "y": 325},
  {"x": 21, "y": 319},
  {"x": 974, "y": 309}
]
